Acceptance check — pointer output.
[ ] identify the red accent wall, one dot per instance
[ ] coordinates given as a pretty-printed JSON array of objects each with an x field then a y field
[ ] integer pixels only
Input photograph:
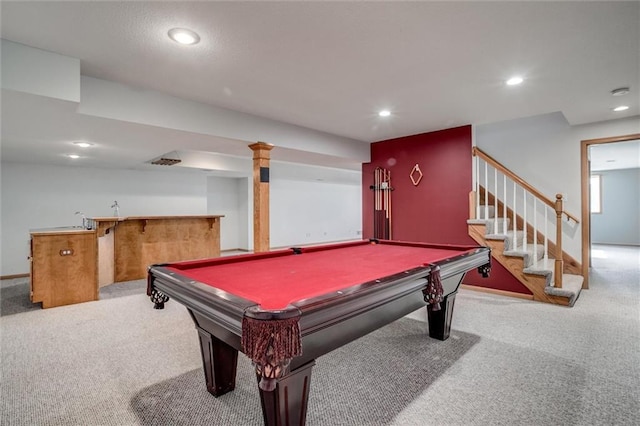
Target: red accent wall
[{"x": 436, "y": 210}]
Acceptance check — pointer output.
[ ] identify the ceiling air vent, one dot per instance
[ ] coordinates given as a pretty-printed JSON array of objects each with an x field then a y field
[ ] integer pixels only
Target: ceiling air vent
[
  {"x": 168, "y": 159},
  {"x": 165, "y": 161}
]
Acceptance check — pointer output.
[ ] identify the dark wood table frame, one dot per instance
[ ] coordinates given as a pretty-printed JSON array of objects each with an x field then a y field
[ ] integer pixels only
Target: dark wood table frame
[{"x": 325, "y": 323}]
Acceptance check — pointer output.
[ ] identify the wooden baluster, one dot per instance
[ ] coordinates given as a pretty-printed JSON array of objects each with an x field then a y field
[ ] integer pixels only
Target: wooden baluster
[{"x": 472, "y": 205}]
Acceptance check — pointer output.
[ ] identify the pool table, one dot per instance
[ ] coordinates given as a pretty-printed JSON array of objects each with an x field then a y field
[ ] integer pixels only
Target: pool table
[{"x": 285, "y": 308}]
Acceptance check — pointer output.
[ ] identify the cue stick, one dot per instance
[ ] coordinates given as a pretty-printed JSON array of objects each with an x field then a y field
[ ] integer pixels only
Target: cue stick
[
  {"x": 381, "y": 205},
  {"x": 383, "y": 188},
  {"x": 375, "y": 206},
  {"x": 376, "y": 174},
  {"x": 381, "y": 210},
  {"x": 387, "y": 194},
  {"x": 374, "y": 202},
  {"x": 379, "y": 199},
  {"x": 389, "y": 205},
  {"x": 379, "y": 202}
]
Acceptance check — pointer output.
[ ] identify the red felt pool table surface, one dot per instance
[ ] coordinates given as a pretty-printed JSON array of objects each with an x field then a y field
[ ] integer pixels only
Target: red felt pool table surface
[{"x": 276, "y": 281}]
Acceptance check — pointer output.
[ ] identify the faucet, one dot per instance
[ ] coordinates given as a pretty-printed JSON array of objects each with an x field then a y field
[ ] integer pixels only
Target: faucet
[
  {"x": 116, "y": 209},
  {"x": 84, "y": 219}
]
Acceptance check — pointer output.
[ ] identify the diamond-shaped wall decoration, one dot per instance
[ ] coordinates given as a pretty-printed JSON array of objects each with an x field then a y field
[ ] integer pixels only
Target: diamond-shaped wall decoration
[{"x": 416, "y": 175}]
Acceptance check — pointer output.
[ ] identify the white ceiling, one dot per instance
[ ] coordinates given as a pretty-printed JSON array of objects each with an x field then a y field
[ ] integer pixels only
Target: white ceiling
[
  {"x": 328, "y": 66},
  {"x": 613, "y": 156}
]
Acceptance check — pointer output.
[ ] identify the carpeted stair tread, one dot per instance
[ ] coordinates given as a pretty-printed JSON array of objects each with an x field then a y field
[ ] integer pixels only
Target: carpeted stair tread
[
  {"x": 542, "y": 267},
  {"x": 529, "y": 255},
  {"x": 493, "y": 225},
  {"x": 571, "y": 287},
  {"x": 498, "y": 237}
]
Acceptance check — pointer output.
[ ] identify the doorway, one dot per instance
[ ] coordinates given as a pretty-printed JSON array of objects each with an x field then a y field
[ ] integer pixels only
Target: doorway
[{"x": 586, "y": 196}]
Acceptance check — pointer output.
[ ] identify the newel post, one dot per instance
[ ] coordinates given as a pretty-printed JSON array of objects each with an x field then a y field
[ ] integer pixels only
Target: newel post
[
  {"x": 472, "y": 205},
  {"x": 559, "y": 264}
]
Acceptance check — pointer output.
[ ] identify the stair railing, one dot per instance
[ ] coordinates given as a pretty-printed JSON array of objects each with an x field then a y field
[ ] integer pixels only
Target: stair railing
[{"x": 524, "y": 197}]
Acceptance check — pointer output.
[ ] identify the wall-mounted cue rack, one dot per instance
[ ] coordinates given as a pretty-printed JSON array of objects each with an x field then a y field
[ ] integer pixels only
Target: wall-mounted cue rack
[{"x": 381, "y": 203}]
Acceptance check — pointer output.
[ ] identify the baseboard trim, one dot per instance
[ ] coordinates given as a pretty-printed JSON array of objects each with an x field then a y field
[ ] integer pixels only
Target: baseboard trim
[
  {"x": 497, "y": 292},
  {"x": 295, "y": 245},
  {"x": 10, "y": 277},
  {"x": 323, "y": 243}
]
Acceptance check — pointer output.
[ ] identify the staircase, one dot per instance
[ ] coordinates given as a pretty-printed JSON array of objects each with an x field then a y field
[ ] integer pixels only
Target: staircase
[
  {"x": 523, "y": 249},
  {"x": 529, "y": 266}
]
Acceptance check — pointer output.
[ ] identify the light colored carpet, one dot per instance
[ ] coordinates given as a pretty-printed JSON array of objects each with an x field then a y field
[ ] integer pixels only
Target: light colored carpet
[{"x": 117, "y": 361}]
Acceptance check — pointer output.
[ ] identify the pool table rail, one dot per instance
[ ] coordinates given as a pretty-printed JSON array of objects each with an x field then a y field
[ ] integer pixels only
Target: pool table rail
[
  {"x": 224, "y": 312},
  {"x": 226, "y": 308}
]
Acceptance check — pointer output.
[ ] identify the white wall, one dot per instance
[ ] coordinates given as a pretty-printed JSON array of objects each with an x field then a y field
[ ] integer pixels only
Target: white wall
[
  {"x": 245, "y": 213},
  {"x": 301, "y": 212},
  {"x": 37, "y": 196},
  {"x": 304, "y": 212},
  {"x": 619, "y": 221},
  {"x": 223, "y": 197},
  {"x": 545, "y": 151}
]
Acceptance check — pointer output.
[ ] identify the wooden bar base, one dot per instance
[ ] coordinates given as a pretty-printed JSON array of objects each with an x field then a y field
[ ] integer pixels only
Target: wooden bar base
[
  {"x": 63, "y": 266},
  {"x": 128, "y": 245},
  {"x": 440, "y": 321}
]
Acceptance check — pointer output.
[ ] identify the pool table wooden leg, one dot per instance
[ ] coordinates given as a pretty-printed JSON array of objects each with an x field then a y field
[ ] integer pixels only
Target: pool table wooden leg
[
  {"x": 287, "y": 404},
  {"x": 220, "y": 363},
  {"x": 440, "y": 321}
]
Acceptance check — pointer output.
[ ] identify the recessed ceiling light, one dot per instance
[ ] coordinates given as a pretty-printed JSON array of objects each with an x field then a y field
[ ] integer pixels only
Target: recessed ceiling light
[
  {"x": 83, "y": 144},
  {"x": 621, "y": 108},
  {"x": 74, "y": 156},
  {"x": 620, "y": 91},
  {"x": 384, "y": 113},
  {"x": 514, "y": 81},
  {"x": 183, "y": 36}
]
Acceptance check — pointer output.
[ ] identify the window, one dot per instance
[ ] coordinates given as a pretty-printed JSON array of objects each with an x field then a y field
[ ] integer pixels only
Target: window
[{"x": 596, "y": 193}]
